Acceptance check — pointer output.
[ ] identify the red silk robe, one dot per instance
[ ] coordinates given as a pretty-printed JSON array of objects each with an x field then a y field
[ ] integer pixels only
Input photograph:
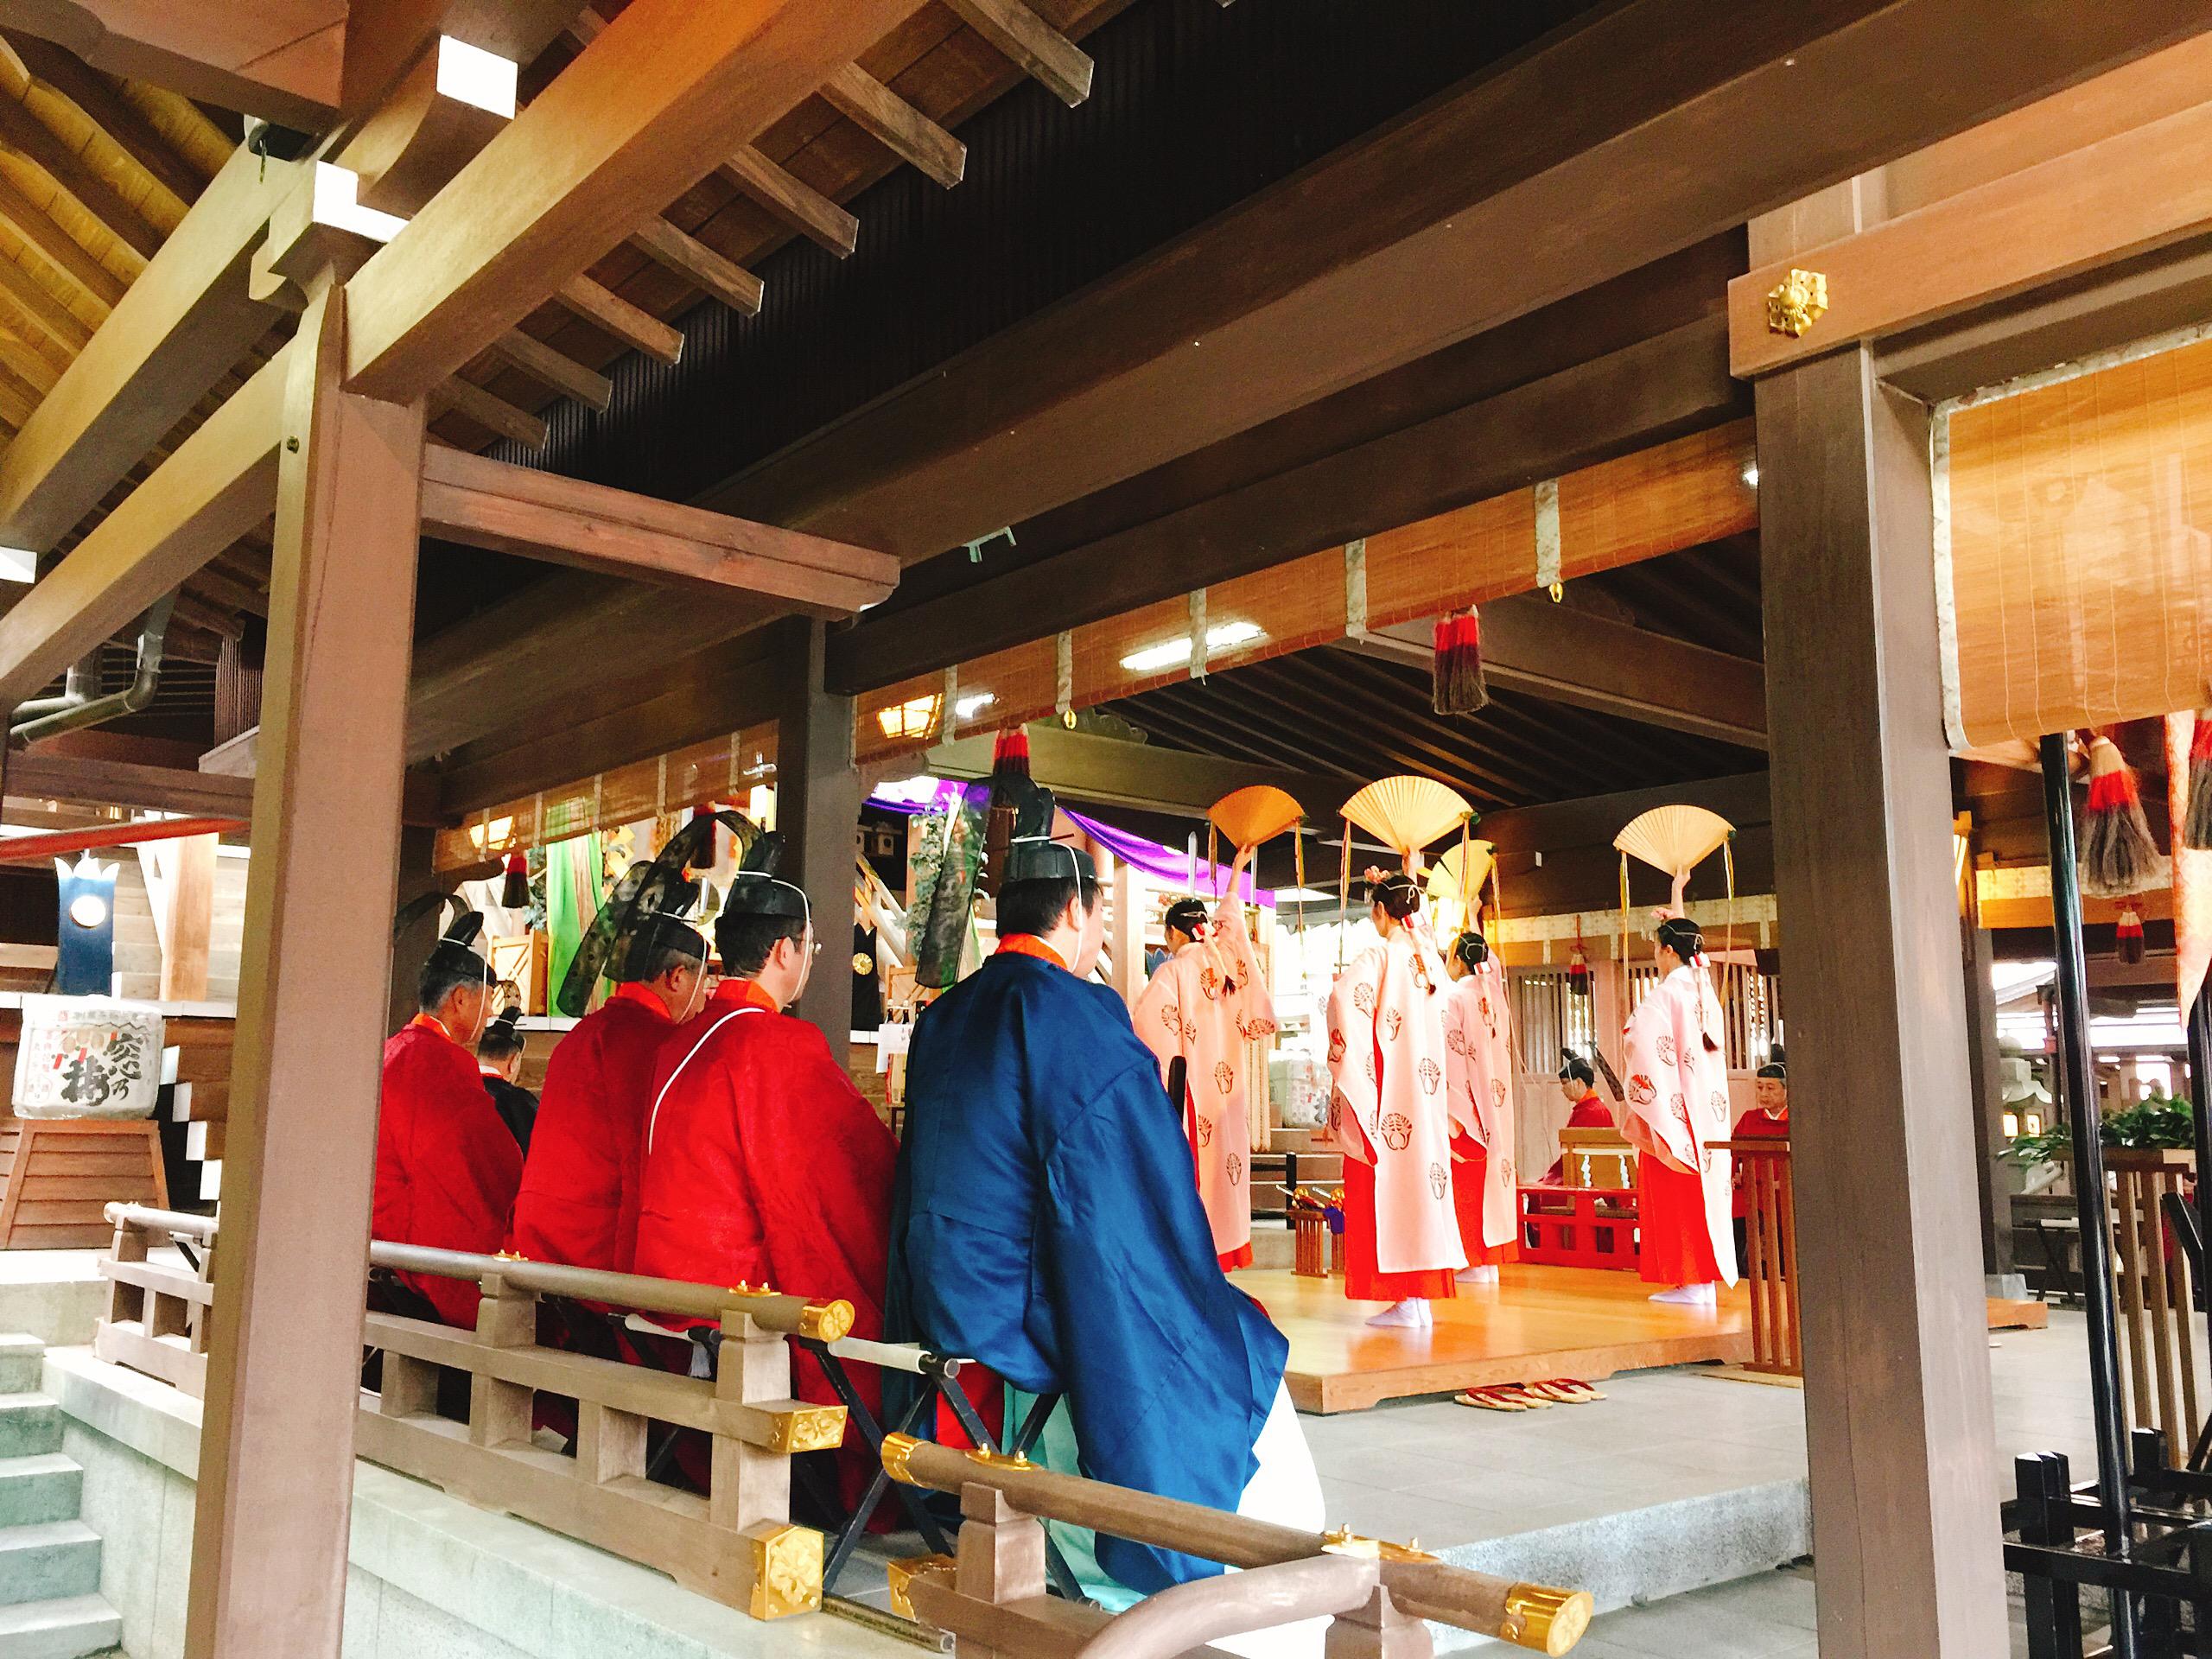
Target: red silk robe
[
  {"x": 1677, "y": 1103},
  {"x": 1479, "y": 1074},
  {"x": 446, "y": 1167},
  {"x": 1588, "y": 1113},
  {"x": 1388, "y": 1116},
  {"x": 579, "y": 1200},
  {"x": 1187, "y": 1011},
  {"x": 1750, "y": 1127},
  {"x": 763, "y": 1164}
]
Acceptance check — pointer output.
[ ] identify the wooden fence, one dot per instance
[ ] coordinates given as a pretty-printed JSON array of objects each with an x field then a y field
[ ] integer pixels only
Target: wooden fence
[
  {"x": 2156, "y": 1298},
  {"x": 1769, "y": 1263},
  {"x": 736, "y": 1544}
]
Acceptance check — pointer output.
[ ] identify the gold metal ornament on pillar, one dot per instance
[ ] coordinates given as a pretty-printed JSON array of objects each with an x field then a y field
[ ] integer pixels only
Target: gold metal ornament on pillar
[{"x": 1796, "y": 303}]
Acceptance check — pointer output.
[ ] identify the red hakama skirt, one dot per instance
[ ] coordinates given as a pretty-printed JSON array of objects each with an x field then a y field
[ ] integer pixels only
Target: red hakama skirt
[
  {"x": 1239, "y": 1257},
  {"x": 1364, "y": 1281},
  {"x": 1674, "y": 1242},
  {"x": 1467, "y": 1177}
]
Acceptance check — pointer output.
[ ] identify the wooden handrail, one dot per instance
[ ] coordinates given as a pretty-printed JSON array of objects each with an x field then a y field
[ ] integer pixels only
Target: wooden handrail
[{"x": 1532, "y": 1616}]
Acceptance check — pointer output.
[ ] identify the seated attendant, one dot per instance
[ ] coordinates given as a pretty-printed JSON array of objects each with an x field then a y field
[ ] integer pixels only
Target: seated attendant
[
  {"x": 1045, "y": 1223},
  {"x": 446, "y": 1167},
  {"x": 1770, "y": 1115},
  {"x": 498, "y": 1057},
  {"x": 762, "y": 1164},
  {"x": 1579, "y": 1083},
  {"x": 579, "y": 1200}
]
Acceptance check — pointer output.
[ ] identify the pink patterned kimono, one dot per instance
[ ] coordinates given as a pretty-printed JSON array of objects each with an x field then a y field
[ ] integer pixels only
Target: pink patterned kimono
[
  {"x": 1188, "y": 1011},
  {"x": 1479, "y": 1082},
  {"x": 1677, "y": 1101},
  {"x": 1388, "y": 1112}
]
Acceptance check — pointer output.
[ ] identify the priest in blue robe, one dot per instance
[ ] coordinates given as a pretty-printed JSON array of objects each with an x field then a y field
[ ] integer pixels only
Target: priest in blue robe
[{"x": 1045, "y": 1222}]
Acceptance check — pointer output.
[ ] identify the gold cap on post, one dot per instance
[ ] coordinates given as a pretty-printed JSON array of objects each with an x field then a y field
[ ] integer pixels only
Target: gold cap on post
[
  {"x": 897, "y": 1448},
  {"x": 1551, "y": 1621},
  {"x": 826, "y": 1321}
]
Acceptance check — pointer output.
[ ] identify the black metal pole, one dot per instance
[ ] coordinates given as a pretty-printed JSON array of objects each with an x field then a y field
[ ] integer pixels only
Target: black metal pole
[{"x": 2083, "y": 1121}]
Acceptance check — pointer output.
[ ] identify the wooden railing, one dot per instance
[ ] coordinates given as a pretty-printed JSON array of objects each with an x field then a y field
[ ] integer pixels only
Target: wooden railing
[
  {"x": 1769, "y": 1263},
  {"x": 992, "y": 1598},
  {"x": 736, "y": 1544},
  {"x": 2157, "y": 1300},
  {"x": 157, "y": 1313}
]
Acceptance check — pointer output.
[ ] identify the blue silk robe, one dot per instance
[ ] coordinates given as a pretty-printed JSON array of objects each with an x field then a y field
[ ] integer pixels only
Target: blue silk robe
[{"x": 1044, "y": 1221}]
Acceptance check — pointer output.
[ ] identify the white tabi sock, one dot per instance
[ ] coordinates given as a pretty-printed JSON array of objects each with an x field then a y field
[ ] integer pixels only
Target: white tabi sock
[
  {"x": 1690, "y": 1295},
  {"x": 1405, "y": 1315},
  {"x": 1483, "y": 1275}
]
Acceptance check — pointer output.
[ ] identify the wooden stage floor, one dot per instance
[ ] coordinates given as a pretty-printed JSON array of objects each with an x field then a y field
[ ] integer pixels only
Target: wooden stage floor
[{"x": 1537, "y": 1322}]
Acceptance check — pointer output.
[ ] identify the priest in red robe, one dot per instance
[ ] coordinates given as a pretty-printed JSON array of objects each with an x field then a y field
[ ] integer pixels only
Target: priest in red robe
[
  {"x": 763, "y": 1164},
  {"x": 1585, "y": 1109},
  {"x": 579, "y": 1183},
  {"x": 1769, "y": 1117},
  {"x": 446, "y": 1167}
]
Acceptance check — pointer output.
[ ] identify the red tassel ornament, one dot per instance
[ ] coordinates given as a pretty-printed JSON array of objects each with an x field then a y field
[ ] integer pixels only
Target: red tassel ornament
[
  {"x": 2118, "y": 855},
  {"x": 514, "y": 882},
  {"x": 1010, "y": 758},
  {"x": 2197, "y": 819},
  {"x": 2127, "y": 937},
  {"x": 1457, "y": 666},
  {"x": 1578, "y": 972}
]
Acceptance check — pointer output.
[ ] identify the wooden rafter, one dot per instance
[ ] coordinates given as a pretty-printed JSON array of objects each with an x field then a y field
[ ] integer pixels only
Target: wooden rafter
[
  {"x": 619, "y": 319},
  {"x": 874, "y": 107},
  {"x": 1062, "y": 66},
  {"x": 40, "y": 229},
  {"x": 38, "y": 143},
  {"x": 799, "y": 205},
  {"x": 720, "y": 278},
  {"x": 115, "y": 115}
]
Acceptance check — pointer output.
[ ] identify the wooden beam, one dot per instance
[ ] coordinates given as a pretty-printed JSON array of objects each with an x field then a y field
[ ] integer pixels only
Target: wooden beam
[
  {"x": 2124, "y": 195},
  {"x": 1567, "y": 655},
  {"x": 45, "y": 308},
  {"x": 1625, "y": 400},
  {"x": 1880, "y": 1141},
  {"x": 693, "y": 260},
  {"x": 1331, "y": 276},
  {"x": 817, "y": 805},
  {"x": 91, "y": 781},
  {"x": 1114, "y": 772},
  {"x": 281, "y": 59},
  {"x": 549, "y": 368},
  {"x": 892, "y": 122},
  {"x": 418, "y": 137},
  {"x": 191, "y": 918},
  {"x": 275, "y": 1474},
  {"x": 1023, "y": 37},
  {"x": 495, "y": 415},
  {"x": 217, "y": 483},
  {"x": 37, "y": 226},
  {"x": 800, "y": 205},
  {"x": 38, "y": 143},
  {"x": 615, "y": 316},
  {"x": 645, "y": 112},
  {"x": 186, "y": 321},
  {"x": 489, "y": 504},
  {"x": 108, "y": 110}
]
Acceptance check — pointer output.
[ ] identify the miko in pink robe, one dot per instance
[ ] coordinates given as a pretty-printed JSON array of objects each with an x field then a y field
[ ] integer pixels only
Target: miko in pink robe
[
  {"x": 1677, "y": 1103},
  {"x": 1203, "y": 1006},
  {"x": 1479, "y": 1076},
  {"x": 1389, "y": 1116}
]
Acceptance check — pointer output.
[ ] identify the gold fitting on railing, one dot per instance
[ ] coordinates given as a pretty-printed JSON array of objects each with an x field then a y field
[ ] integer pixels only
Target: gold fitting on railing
[
  {"x": 1550, "y": 1621},
  {"x": 897, "y": 1449},
  {"x": 741, "y": 1288},
  {"x": 901, "y": 1573},
  {"x": 826, "y": 1321},
  {"x": 1012, "y": 1460},
  {"x": 794, "y": 1429},
  {"x": 786, "y": 1572},
  {"x": 510, "y": 1256},
  {"x": 1344, "y": 1541}
]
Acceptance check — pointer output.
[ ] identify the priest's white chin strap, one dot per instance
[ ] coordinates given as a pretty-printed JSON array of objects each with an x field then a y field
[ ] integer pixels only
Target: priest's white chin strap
[{"x": 653, "y": 1117}]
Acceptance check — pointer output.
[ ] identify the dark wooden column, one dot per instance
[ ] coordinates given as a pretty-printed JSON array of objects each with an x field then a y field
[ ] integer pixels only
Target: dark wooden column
[
  {"x": 1985, "y": 1077},
  {"x": 1897, "y": 1410},
  {"x": 275, "y": 1483},
  {"x": 817, "y": 808}
]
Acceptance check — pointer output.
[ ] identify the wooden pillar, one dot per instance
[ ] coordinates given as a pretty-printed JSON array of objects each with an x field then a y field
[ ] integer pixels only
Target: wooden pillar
[
  {"x": 412, "y": 946},
  {"x": 1986, "y": 1078},
  {"x": 275, "y": 1475},
  {"x": 818, "y": 807},
  {"x": 1898, "y": 1420},
  {"x": 191, "y": 918}
]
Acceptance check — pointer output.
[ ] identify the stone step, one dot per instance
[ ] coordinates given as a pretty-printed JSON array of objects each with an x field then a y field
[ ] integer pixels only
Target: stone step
[
  {"x": 66, "y": 1627},
  {"x": 34, "y": 1489},
  {"x": 21, "y": 1359},
  {"x": 31, "y": 1424},
  {"x": 49, "y": 1560}
]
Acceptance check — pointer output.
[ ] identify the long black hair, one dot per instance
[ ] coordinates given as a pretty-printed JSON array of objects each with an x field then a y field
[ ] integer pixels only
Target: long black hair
[
  {"x": 1471, "y": 949},
  {"x": 1682, "y": 936},
  {"x": 1397, "y": 893}
]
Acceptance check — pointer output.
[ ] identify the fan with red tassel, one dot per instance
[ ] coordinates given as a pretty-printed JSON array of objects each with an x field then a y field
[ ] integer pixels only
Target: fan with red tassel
[
  {"x": 2196, "y": 831},
  {"x": 2118, "y": 855},
  {"x": 1458, "y": 665}
]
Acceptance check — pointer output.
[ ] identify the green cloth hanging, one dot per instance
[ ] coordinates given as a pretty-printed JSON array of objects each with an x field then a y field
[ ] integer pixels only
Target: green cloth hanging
[{"x": 575, "y": 889}]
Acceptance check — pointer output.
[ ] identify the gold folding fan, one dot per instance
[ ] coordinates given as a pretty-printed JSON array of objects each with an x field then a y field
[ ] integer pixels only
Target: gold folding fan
[
  {"x": 1406, "y": 813},
  {"x": 1455, "y": 886},
  {"x": 1675, "y": 840},
  {"x": 1248, "y": 817}
]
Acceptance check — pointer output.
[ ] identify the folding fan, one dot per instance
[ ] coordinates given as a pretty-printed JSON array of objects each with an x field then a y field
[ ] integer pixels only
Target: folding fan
[
  {"x": 1248, "y": 816},
  {"x": 1675, "y": 840},
  {"x": 1455, "y": 884},
  {"x": 1406, "y": 813}
]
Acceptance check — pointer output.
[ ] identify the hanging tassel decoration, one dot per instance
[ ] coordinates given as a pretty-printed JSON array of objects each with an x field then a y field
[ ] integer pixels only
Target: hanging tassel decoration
[
  {"x": 1298, "y": 876},
  {"x": 514, "y": 882},
  {"x": 1343, "y": 894},
  {"x": 1009, "y": 781},
  {"x": 1009, "y": 759},
  {"x": 2128, "y": 936},
  {"x": 2118, "y": 855},
  {"x": 2196, "y": 823},
  {"x": 1458, "y": 665},
  {"x": 1623, "y": 939},
  {"x": 1578, "y": 969}
]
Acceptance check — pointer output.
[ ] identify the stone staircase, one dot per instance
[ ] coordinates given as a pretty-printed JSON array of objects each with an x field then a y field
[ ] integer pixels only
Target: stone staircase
[{"x": 50, "y": 1604}]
